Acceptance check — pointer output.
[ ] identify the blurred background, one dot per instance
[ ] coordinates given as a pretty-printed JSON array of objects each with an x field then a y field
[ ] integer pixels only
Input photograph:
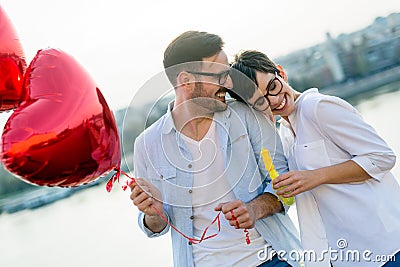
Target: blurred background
[{"x": 346, "y": 48}]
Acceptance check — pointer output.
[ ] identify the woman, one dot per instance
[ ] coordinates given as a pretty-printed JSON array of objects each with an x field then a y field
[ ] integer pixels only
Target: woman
[{"x": 348, "y": 202}]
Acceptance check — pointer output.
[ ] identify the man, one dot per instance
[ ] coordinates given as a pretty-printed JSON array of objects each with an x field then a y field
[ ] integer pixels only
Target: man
[{"x": 203, "y": 157}]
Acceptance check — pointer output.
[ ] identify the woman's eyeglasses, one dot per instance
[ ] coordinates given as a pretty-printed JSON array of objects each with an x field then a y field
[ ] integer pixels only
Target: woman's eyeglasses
[{"x": 274, "y": 88}]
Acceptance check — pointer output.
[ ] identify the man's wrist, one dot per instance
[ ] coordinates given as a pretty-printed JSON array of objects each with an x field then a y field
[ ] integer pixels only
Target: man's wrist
[
  {"x": 154, "y": 222},
  {"x": 266, "y": 205}
]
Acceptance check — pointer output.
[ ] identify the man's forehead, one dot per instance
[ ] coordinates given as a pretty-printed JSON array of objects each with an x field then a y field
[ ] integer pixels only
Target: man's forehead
[{"x": 219, "y": 60}]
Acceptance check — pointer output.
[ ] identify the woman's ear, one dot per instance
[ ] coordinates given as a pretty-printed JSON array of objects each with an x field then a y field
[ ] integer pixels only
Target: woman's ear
[{"x": 282, "y": 72}]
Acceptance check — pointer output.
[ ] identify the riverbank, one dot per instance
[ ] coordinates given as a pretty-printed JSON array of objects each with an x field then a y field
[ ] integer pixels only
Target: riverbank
[
  {"x": 353, "y": 88},
  {"x": 39, "y": 197}
]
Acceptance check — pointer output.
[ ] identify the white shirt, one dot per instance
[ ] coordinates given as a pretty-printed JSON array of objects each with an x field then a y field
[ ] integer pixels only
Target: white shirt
[
  {"x": 210, "y": 187},
  {"x": 324, "y": 131}
]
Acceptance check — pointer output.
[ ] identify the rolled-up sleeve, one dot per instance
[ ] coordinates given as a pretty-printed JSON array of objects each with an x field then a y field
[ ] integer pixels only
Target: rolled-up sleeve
[
  {"x": 147, "y": 231},
  {"x": 343, "y": 124}
]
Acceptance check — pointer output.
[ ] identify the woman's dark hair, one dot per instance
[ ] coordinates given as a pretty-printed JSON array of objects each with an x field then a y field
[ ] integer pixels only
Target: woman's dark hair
[{"x": 247, "y": 63}]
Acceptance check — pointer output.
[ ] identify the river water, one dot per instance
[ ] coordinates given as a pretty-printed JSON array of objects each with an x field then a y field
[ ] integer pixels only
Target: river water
[{"x": 96, "y": 228}]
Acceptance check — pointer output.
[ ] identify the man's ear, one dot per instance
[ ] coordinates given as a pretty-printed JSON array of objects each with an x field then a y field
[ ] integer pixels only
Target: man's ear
[
  {"x": 185, "y": 79},
  {"x": 282, "y": 72}
]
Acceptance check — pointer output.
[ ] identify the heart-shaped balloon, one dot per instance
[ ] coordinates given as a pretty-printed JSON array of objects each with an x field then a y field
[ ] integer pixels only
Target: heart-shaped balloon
[
  {"x": 12, "y": 65},
  {"x": 64, "y": 134}
]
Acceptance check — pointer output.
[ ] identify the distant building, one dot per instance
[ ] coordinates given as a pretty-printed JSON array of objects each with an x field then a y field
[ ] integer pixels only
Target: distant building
[
  {"x": 347, "y": 57},
  {"x": 331, "y": 56}
]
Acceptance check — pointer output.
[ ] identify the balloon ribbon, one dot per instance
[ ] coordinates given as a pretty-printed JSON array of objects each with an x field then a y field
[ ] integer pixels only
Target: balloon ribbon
[
  {"x": 245, "y": 230},
  {"x": 115, "y": 178}
]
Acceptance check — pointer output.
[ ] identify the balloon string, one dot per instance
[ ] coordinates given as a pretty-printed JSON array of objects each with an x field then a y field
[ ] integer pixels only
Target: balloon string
[
  {"x": 245, "y": 230},
  {"x": 115, "y": 178},
  {"x": 191, "y": 239}
]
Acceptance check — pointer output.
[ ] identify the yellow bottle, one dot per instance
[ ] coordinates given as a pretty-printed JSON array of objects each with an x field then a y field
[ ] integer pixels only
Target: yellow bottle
[{"x": 273, "y": 174}]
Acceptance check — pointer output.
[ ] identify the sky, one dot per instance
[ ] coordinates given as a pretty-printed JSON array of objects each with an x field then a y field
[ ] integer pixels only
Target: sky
[{"x": 121, "y": 43}]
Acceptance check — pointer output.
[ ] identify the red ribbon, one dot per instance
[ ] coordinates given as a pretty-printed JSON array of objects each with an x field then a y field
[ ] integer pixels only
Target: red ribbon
[
  {"x": 115, "y": 178},
  {"x": 245, "y": 230}
]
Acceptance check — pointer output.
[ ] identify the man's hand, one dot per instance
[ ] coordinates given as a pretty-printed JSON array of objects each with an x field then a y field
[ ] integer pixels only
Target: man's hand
[
  {"x": 147, "y": 198},
  {"x": 248, "y": 213},
  {"x": 244, "y": 214}
]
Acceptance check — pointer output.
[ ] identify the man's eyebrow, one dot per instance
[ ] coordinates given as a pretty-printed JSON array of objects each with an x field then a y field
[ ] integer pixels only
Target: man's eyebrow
[{"x": 210, "y": 64}]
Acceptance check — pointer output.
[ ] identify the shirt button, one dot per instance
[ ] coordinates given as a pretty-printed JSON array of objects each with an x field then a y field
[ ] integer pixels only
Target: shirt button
[
  {"x": 161, "y": 177},
  {"x": 192, "y": 217},
  {"x": 190, "y": 243},
  {"x": 190, "y": 191},
  {"x": 190, "y": 165}
]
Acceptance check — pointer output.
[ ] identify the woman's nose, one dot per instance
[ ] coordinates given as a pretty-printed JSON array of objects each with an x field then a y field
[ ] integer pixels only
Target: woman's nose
[{"x": 273, "y": 100}]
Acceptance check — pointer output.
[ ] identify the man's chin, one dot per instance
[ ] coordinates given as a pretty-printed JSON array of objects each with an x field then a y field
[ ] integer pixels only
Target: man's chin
[
  {"x": 222, "y": 106},
  {"x": 218, "y": 105},
  {"x": 210, "y": 105}
]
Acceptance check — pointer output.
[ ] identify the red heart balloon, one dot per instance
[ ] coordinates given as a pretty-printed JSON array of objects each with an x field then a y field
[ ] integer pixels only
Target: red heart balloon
[
  {"x": 64, "y": 134},
  {"x": 12, "y": 65}
]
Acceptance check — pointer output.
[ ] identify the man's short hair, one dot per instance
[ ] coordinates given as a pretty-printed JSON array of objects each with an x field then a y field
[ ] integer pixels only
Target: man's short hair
[{"x": 190, "y": 46}]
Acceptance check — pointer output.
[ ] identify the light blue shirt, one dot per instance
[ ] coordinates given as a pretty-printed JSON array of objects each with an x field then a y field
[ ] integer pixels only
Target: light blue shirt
[{"x": 161, "y": 156}]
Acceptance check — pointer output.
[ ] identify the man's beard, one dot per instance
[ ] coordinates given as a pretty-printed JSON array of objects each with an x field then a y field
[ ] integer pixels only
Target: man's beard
[{"x": 204, "y": 101}]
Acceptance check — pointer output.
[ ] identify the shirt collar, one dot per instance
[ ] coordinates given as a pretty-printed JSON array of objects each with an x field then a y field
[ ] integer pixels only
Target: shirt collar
[
  {"x": 169, "y": 124},
  {"x": 223, "y": 116},
  {"x": 293, "y": 116}
]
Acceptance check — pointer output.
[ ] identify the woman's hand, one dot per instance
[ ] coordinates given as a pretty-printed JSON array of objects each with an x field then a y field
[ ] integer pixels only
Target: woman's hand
[
  {"x": 296, "y": 182},
  {"x": 301, "y": 181}
]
